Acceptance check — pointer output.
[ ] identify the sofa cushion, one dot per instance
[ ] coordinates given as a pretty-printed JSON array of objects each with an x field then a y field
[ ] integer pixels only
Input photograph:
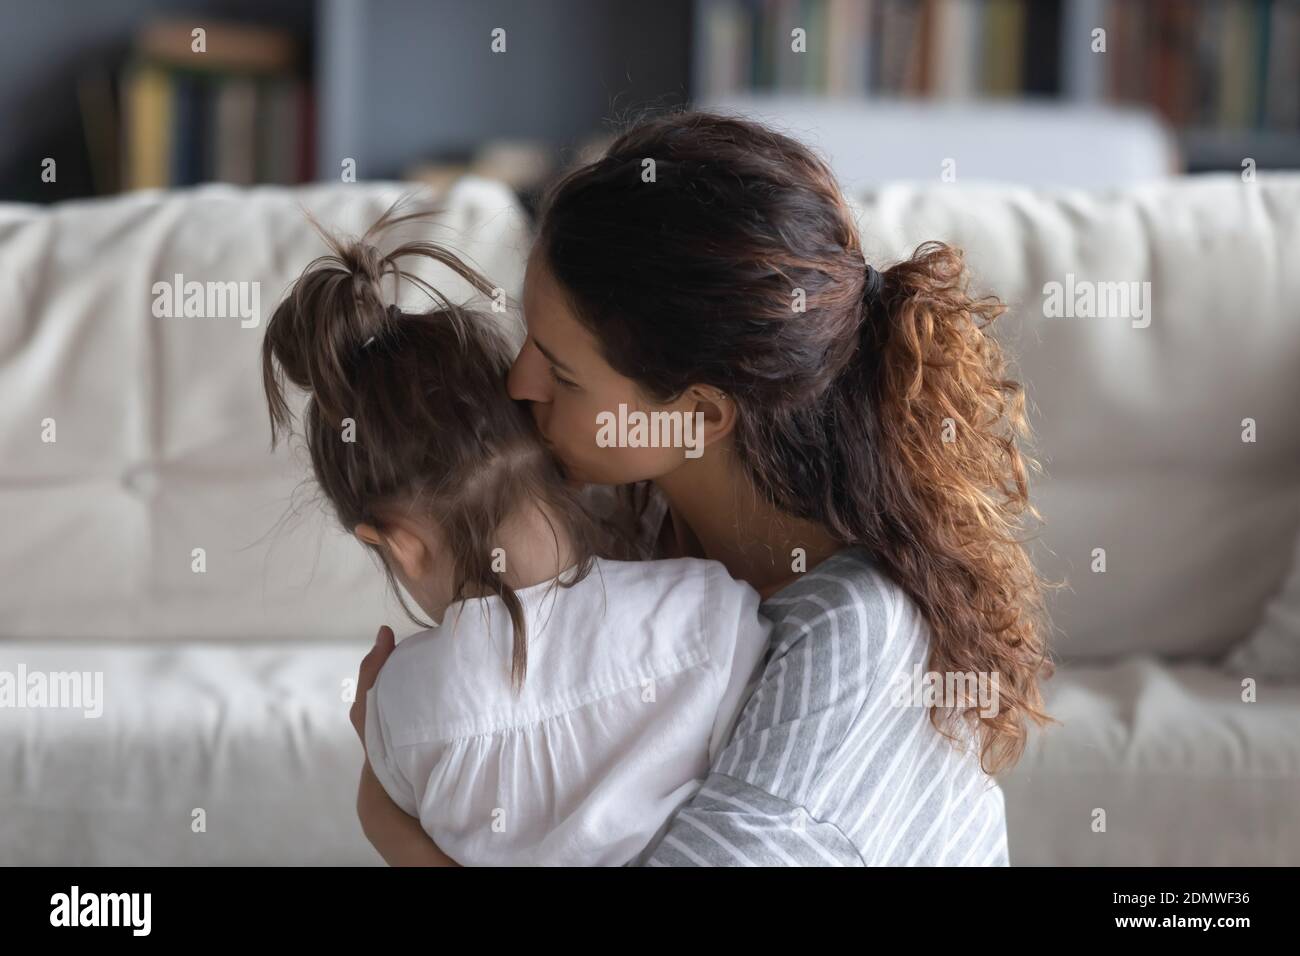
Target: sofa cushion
[
  {"x": 1187, "y": 772},
  {"x": 1272, "y": 651},
  {"x": 255, "y": 737},
  {"x": 1139, "y": 427}
]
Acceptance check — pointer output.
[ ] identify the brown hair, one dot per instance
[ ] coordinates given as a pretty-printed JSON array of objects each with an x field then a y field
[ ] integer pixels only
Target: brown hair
[
  {"x": 433, "y": 426},
  {"x": 844, "y": 408}
]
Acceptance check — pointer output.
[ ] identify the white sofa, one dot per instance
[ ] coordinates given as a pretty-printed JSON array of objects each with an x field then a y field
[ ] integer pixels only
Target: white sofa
[{"x": 224, "y": 690}]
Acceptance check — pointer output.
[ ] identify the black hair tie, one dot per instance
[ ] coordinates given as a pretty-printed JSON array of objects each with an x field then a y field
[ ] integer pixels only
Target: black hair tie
[{"x": 875, "y": 283}]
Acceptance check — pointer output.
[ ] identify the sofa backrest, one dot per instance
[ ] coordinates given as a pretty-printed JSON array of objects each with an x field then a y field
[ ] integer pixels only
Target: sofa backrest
[
  {"x": 1140, "y": 426},
  {"x": 161, "y": 434}
]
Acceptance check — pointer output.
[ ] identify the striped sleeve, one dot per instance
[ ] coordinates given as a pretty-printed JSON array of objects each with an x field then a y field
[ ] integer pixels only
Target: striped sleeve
[
  {"x": 730, "y": 823},
  {"x": 825, "y": 767}
]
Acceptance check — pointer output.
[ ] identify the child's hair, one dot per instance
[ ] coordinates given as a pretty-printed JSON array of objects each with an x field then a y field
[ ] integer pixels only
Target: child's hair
[{"x": 432, "y": 429}]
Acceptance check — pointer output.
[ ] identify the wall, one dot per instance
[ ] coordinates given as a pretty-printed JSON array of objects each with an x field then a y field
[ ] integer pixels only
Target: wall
[{"x": 402, "y": 80}]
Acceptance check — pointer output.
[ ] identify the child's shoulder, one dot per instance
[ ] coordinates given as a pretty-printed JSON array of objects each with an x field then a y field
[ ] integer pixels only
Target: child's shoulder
[
  {"x": 678, "y": 576},
  {"x": 624, "y": 624},
  {"x": 677, "y": 602}
]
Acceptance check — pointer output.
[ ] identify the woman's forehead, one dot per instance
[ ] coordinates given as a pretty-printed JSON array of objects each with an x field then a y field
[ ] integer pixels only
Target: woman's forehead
[{"x": 546, "y": 307}]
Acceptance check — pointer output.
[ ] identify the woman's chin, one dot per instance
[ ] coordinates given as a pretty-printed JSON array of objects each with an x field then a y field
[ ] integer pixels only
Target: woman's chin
[
  {"x": 573, "y": 477},
  {"x": 575, "y": 474}
]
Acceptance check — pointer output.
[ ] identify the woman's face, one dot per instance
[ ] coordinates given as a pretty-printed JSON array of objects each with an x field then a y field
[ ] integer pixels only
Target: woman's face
[{"x": 562, "y": 373}]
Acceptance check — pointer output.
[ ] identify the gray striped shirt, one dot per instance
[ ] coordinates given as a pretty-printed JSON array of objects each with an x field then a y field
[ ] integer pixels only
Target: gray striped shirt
[{"x": 824, "y": 766}]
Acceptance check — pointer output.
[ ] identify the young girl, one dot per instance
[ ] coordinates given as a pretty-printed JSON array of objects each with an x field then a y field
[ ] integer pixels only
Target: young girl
[{"x": 567, "y": 703}]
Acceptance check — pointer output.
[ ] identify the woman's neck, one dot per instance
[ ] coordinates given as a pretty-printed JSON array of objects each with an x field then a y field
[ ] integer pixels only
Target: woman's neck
[{"x": 719, "y": 514}]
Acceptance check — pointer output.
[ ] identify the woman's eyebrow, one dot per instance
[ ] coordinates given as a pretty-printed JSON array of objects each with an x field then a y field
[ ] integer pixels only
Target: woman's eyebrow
[{"x": 550, "y": 357}]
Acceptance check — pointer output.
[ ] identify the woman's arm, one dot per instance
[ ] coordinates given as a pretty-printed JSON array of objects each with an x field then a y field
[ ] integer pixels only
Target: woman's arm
[{"x": 398, "y": 837}]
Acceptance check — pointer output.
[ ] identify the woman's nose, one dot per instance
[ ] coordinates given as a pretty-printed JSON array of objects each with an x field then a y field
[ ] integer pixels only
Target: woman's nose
[{"x": 527, "y": 381}]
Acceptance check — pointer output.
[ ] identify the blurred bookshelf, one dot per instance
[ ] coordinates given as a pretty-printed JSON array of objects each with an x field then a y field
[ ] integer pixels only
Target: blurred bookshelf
[
  {"x": 287, "y": 89},
  {"x": 1224, "y": 74},
  {"x": 239, "y": 111}
]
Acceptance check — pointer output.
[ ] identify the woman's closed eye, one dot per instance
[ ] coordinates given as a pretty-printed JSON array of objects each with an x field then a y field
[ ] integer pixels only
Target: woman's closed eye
[
  {"x": 555, "y": 366},
  {"x": 562, "y": 380}
]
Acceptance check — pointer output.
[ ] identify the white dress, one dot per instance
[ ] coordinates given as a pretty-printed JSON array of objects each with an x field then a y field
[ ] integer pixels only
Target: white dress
[{"x": 636, "y": 675}]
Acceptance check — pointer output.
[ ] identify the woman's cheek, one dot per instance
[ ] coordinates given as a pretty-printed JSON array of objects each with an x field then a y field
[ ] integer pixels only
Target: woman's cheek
[
  {"x": 573, "y": 425},
  {"x": 569, "y": 436},
  {"x": 617, "y": 465},
  {"x": 574, "y": 430}
]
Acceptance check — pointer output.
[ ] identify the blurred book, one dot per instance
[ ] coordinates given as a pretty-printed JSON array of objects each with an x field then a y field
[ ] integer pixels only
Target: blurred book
[
  {"x": 147, "y": 93},
  {"x": 1004, "y": 36},
  {"x": 235, "y": 129},
  {"x": 1282, "y": 103},
  {"x": 234, "y": 110},
  {"x": 101, "y": 121}
]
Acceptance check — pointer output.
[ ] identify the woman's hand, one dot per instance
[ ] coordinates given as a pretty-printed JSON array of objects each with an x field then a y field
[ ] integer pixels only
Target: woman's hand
[
  {"x": 385, "y": 641},
  {"x": 397, "y": 835}
]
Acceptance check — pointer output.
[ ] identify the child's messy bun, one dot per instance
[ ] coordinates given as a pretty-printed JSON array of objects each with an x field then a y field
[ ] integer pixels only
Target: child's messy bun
[
  {"x": 339, "y": 305},
  {"x": 410, "y": 410}
]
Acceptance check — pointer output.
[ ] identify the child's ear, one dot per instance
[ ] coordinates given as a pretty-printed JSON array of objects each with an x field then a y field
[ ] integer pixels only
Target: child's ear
[
  {"x": 367, "y": 534},
  {"x": 400, "y": 546}
]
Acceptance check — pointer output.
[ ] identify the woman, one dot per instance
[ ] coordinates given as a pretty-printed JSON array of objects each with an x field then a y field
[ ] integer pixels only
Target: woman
[{"x": 860, "y": 470}]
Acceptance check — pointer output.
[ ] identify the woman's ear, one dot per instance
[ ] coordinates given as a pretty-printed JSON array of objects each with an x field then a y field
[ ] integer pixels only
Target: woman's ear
[{"x": 718, "y": 409}]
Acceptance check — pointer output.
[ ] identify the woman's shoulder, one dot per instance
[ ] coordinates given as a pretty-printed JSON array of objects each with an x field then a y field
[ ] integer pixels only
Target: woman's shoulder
[
  {"x": 840, "y": 632},
  {"x": 848, "y": 581},
  {"x": 849, "y": 601}
]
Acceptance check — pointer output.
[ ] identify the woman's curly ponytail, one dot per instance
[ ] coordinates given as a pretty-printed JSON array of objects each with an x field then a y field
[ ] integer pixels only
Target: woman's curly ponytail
[{"x": 950, "y": 489}]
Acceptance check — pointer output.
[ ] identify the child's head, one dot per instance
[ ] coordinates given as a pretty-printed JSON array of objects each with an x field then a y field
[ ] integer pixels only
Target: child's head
[{"x": 412, "y": 436}]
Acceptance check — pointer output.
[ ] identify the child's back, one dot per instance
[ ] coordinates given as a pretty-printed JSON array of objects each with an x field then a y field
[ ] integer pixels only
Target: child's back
[{"x": 635, "y": 676}]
